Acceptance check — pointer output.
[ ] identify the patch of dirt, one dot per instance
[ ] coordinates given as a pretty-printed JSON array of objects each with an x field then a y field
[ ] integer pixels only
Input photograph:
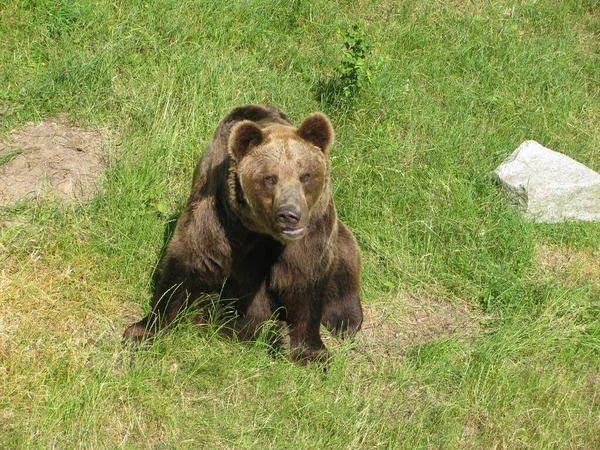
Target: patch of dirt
[
  {"x": 569, "y": 265},
  {"x": 55, "y": 158},
  {"x": 416, "y": 319}
]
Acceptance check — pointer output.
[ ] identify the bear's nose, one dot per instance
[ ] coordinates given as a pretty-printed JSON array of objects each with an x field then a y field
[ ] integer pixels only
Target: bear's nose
[{"x": 288, "y": 215}]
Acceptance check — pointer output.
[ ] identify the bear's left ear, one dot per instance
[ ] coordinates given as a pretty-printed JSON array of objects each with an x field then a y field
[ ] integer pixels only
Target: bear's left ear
[
  {"x": 244, "y": 136},
  {"x": 317, "y": 130}
]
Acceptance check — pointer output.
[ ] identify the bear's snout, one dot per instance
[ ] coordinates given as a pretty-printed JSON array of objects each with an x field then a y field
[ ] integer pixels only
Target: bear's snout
[{"x": 289, "y": 215}]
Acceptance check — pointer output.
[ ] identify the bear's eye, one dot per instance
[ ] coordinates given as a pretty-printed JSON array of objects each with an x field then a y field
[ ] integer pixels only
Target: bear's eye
[
  {"x": 271, "y": 180},
  {"x": 305, "y": 177}
]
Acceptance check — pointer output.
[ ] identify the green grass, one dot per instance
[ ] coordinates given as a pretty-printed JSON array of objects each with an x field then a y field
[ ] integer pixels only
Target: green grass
[
  {"x": 458, "y": 86},
  {"x": 6, "y": 157}
]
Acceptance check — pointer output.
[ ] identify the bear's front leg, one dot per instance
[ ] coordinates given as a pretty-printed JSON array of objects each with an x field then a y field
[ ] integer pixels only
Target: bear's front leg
[{"x": 303, "y": 316}]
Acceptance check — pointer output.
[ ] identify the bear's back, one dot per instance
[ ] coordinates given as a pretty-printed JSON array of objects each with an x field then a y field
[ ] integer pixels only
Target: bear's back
[{"x": 215, "y": 156}]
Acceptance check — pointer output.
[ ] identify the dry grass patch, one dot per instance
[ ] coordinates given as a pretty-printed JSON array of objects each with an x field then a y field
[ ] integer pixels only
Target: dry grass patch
[
  {"x": 61, "y": 357},
  {"x": 568, "y": 265},
  {"x": 413, "y": 319}
]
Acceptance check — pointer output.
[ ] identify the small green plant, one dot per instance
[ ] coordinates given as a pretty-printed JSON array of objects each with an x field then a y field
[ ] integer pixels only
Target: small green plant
[
  {"x": 7, "y": 157},
  {"x": 354, "y": 72}
]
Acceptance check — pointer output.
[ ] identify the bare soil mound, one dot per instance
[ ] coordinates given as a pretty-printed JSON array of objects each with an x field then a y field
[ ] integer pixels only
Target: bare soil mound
[{"x": 50, "y": 158}]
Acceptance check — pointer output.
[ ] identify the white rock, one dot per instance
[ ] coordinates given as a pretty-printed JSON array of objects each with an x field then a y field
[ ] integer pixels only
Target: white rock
[{"x": 549, "y": 186}]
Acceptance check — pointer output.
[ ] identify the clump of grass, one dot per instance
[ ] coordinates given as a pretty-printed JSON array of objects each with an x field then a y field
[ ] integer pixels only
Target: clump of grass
[{"x": 8, "y": 156}]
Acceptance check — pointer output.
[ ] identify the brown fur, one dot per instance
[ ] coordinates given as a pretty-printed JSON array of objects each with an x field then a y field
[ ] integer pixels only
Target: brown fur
[{"x": 260, "y": 227}]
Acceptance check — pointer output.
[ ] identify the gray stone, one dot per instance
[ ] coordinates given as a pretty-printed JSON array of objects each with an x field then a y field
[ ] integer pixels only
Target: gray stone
[{"x": 549, "y": 186}]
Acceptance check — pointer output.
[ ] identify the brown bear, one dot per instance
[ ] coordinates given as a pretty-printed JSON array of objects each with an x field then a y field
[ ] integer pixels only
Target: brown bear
[{"x": 260, "y": 228}]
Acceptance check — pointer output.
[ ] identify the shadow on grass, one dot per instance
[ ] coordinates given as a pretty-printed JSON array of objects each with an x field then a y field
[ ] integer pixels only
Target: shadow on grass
[
  {"x": 168, "y": 231},
  {"x": 333, "y": 98}
]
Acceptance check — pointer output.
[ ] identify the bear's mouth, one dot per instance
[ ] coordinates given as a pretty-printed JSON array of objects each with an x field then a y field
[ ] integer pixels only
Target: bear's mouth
[{"x": 293, "y": 233}]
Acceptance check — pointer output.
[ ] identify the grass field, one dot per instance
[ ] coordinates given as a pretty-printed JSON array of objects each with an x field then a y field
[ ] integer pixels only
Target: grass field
[{"x": 455, "y": 87}]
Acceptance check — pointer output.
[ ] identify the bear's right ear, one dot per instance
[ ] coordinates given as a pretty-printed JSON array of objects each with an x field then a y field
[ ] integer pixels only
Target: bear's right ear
[{"x": 244, "y": 136}]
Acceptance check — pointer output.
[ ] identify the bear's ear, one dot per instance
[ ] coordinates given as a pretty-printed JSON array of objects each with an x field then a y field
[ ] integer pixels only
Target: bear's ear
[
  {"x": 317, "y": 130},
  {"x": 243, "y": 137}
]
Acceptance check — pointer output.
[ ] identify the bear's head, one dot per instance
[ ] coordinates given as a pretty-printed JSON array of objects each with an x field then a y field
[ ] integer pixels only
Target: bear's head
[{"x": 280, "y": 174}]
